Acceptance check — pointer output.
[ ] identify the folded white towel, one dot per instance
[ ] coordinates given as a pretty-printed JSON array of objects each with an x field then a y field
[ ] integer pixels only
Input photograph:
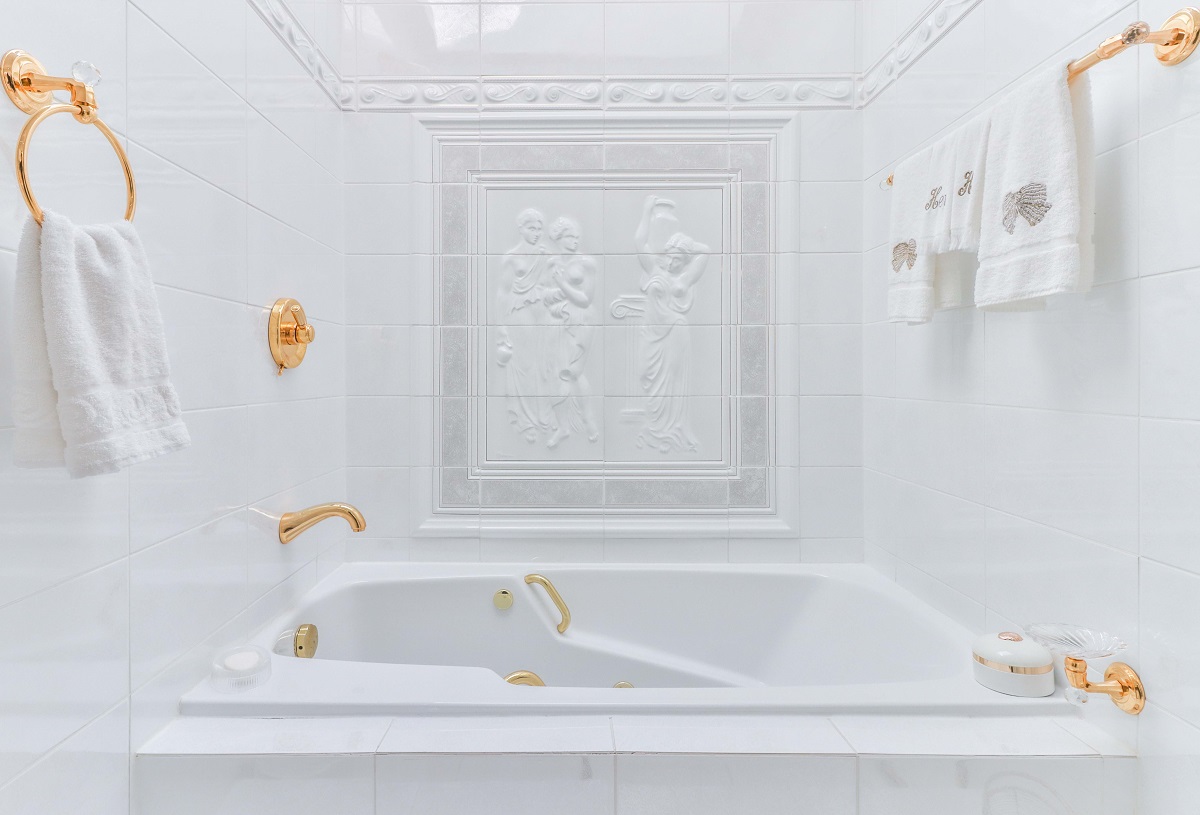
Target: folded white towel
[
  {"x": 963, "y": 155},
  {"x": 917, "y": 217},
  {"x": 1038, "y": 202},
  {"x": 92, "y": 389}
]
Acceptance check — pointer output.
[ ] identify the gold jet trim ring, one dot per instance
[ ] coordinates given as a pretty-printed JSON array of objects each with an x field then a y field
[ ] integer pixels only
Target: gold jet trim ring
[
  {"x": 565, "y": 612},
  {"x": 525, "y": 678}
]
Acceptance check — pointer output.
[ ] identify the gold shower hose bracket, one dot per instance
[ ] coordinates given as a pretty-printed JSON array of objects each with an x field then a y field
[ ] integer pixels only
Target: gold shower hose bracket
[{"x": 1121, "y": 683}]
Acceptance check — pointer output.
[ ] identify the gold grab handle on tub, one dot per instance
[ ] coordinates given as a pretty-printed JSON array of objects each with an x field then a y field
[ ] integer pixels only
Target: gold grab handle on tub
[{"x": 545, "y": 583}]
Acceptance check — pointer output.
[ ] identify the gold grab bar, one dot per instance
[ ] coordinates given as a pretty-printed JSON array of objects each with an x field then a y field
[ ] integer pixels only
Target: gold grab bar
[
  {"x": 31, "y": 89},
  {"x": 1173, "y": 43},
  {"x": 525, "y": 678},
  {"x": 545, "y": 583}
]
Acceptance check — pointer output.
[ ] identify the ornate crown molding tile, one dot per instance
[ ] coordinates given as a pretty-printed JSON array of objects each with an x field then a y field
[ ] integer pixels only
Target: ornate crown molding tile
[
  {"x": 689, "y": 92},
  {"x": 795, "y": 92},
  {"x": 518, "y": 93},
  {"x": 424, "y": 94},
  {"x": 277, "y": 15},
  {"x": 909, "y": 48}
]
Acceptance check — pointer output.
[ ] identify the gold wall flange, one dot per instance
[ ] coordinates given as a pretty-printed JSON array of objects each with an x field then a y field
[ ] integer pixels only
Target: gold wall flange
[
  {"x": 304, "y": 642},
  {"x": 288, "y": 333},
  {"x": 15, "y": 67},
  {"x": 1187, "y": 20},
  {"x": 1121, "y": 684},
  {"x": 525, "y": 678}
]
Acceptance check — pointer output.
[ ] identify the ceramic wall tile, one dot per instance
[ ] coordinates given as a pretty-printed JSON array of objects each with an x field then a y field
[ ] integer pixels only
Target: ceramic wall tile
[
  {"x": 167, "y": 87},
  {"x": 500, "y": 783},
  {"x": 1169, "y": 518},
  {"x": 646, "y": 38},
  {"x": 268, "y": 784},
  {"x": 913, "y": 784},
  {"x": 68, "y": 653},
  {"x": 723, "y": 783}
]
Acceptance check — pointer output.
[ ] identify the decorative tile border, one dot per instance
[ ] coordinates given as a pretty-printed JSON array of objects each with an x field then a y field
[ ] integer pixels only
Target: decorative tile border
[
  {"x": 909, "y": 48},
  {"x": 280, "y": 19},
  {"x": 616, "y": 93}
]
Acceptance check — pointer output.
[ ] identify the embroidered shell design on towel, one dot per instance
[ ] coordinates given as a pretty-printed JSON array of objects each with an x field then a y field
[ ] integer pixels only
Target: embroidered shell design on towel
[
  {"x": 903, "y": 253},
  {"x": 1029, "y": 202}
]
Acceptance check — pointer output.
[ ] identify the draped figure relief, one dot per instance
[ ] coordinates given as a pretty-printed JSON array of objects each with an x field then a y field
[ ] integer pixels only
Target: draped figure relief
[
  {"x": 670, "y": 273},
  {"x": 545, "y": 332}
]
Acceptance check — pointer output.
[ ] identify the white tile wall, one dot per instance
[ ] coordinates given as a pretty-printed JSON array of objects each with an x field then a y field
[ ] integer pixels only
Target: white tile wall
[
  {"x": 1037, "y": 466},
  {"x": 116, "y": 590},
  {"x": 1005, "y": 467}
]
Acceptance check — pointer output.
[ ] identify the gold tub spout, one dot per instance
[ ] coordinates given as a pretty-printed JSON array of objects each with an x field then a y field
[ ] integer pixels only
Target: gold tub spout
[{"x": 293, "y": 523}]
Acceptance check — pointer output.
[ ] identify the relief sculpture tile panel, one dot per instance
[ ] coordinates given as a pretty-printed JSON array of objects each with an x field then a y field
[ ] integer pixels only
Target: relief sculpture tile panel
[{"x": 602, "y": 343}]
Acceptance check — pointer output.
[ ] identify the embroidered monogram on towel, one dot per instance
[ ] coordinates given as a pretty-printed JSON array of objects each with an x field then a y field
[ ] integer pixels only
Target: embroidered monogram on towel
[
  {"x": 936, "y": 199},
  {"x": 1029, "y": 202},
  {"x": 968, "y": 177},
  {"x": 904, "y": 253}
]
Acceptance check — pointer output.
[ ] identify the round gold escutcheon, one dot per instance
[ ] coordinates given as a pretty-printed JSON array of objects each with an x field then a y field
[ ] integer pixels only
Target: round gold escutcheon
[
  {"x": 1187, "y": 19},
  {"x": 304, "y": 643},
  {"x": 623, "y": 684},
  {"x": 502, "y": 599}
]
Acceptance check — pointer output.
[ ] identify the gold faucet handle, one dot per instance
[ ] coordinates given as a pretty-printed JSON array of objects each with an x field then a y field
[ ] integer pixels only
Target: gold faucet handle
[{"x": 300, "y": 331}]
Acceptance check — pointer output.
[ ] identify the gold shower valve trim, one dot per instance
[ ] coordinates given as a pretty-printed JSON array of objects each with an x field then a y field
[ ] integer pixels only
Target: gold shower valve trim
[{"x": 288, "y": 333}]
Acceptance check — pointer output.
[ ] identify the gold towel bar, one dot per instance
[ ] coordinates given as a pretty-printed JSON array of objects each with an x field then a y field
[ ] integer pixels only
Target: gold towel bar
[
  {"x": 31, "y": 89},
  {"x": 1173, "y": 43}
]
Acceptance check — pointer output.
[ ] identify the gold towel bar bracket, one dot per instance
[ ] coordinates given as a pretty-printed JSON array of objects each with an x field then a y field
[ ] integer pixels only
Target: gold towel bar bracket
[
  {"x": 31, "y": 89},
  {"x": 1173, "y": 43}
]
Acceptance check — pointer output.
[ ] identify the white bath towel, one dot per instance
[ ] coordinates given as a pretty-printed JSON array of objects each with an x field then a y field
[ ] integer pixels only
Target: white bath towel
[
  {"x": 916, "y": 220},
  {"x": 92, "y": 390},
  {"x": 963, "y": 154},
  {"x": 1038, "y": 201}
]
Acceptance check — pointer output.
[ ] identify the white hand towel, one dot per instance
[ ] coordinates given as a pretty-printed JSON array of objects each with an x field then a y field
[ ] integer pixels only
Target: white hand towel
[
  {"x": 917, "y": 220},
  {"x": 1038, "y": 202},
  {"x": 92, "y": 390},
  {"x": 964, "y": 151}
]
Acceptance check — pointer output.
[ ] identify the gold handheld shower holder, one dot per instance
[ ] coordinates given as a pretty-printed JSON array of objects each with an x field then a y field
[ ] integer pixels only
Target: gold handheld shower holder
[
  {"x": 32, "y": 90},
  {"x": 1121, "y": 683}
]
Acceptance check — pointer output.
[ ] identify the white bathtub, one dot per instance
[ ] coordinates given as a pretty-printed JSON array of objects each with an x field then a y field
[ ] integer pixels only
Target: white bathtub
[{"x": 427, "y": 638}]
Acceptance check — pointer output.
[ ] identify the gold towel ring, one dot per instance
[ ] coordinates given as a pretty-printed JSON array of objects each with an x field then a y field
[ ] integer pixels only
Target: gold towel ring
[{"x": 23, "y": 156}]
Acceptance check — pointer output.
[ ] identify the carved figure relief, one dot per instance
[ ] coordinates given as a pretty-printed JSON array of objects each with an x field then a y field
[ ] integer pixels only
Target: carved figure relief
[
  {"x": 545, "y": 302},
  {"x": 670, "y": 273}
]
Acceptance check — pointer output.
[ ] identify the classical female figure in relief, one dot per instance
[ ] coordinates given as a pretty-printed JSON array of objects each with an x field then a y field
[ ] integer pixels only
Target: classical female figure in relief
[
  {"x": 569, "y": 295},
  {"x": 669, "y": 278},
  {"x": 520, "y": 343}
]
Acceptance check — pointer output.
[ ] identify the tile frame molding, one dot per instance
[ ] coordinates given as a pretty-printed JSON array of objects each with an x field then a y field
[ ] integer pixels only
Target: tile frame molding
[
  {"x": 499, "y": 93},
  {"x": 742, "y": 513}
]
